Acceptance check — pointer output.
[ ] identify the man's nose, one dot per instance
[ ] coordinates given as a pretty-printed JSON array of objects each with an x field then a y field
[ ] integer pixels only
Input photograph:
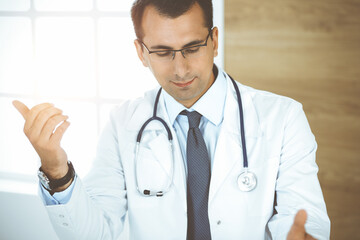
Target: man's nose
[{"x": 181, "y": 64}]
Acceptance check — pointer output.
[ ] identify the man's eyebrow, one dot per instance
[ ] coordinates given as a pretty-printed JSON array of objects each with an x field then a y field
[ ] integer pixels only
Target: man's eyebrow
[
  {"x": 164, "y": 47},
  {"x": 196, "y": 42}
]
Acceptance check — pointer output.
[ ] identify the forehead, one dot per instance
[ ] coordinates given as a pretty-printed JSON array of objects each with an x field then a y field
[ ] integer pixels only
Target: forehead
[{"x": 160, "y": 29}]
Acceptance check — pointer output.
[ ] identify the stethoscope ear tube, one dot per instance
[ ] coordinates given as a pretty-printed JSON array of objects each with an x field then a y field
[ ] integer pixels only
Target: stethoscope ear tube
[
  {"x": 147, "y": 192},
  {"x": 154, "y": 117}
]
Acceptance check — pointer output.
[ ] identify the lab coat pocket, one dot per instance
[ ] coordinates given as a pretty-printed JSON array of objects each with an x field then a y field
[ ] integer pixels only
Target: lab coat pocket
[
  {"x": 260, "y": 201},
  {"x": 154, "y": 164}
]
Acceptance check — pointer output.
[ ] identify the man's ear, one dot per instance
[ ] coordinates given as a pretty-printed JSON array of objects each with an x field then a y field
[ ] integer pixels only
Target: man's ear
[
  {"x": 215, "y": 38},
  {"x": 140, "y": 52}
]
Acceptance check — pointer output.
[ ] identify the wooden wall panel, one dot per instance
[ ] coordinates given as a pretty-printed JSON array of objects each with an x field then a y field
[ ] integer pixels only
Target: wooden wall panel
[{"x": 309, "y": 51}]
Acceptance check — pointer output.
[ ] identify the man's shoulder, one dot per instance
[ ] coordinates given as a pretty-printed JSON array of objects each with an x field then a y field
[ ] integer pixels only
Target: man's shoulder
[
  {"x": 268, "y": 103},
  {"x": 264, "y": 95}
]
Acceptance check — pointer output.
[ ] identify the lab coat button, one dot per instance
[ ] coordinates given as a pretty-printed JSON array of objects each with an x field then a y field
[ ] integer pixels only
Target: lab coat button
[
  {"x": 61, "y": 216},
  {"x": 65, "y": 224},
  {"x": 218, "y": 222}
]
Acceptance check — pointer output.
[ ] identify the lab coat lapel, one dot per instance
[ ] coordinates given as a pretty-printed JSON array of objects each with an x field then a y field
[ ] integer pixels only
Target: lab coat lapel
[
  {"x": 179, "y": 168},
  {"x": 229, "y": 147}
]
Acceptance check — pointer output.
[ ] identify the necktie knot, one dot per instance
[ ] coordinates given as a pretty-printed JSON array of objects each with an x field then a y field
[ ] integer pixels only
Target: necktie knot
[{"x": 193, "y": 117}]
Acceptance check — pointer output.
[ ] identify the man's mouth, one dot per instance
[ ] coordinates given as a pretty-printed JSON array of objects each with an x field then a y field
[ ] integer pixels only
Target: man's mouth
[{"x": 184, "y": 84}]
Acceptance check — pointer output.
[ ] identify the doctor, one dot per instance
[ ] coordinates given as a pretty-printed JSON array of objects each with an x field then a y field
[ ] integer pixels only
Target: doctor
[{"x": 177, "y": 42}]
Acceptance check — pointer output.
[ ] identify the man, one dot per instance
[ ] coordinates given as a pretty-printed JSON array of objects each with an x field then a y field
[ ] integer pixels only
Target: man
[{"x": 177, "y": 42}]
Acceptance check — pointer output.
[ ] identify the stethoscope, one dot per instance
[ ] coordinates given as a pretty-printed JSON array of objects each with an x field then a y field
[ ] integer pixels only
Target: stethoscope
[{"x": 246, "y": 180}]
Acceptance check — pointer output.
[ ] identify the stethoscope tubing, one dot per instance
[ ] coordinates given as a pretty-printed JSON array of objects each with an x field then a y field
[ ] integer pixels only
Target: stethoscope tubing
[
  {"x": 154, "y": 117},
  {"x": 242, "y": 128},
  {"x": 245, "y": 175}
]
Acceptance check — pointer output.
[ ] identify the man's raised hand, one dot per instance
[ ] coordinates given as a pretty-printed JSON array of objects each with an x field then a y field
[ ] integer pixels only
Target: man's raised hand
[{"x": 45, "y": 126}]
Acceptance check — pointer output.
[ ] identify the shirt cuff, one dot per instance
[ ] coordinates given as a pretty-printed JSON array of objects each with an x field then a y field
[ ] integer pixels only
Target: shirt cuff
[{"x": 58, "y": 197}]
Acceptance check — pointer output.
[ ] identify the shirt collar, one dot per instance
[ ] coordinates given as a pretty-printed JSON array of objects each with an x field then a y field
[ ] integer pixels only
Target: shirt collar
[{"x": 215, "y": 97}]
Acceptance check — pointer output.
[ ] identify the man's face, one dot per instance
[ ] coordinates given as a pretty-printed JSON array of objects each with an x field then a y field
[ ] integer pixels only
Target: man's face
[{"x": 184, "y": 79}]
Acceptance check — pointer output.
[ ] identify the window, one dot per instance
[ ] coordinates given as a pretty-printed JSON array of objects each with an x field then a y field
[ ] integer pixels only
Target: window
[{"x": 70, "y": 53}]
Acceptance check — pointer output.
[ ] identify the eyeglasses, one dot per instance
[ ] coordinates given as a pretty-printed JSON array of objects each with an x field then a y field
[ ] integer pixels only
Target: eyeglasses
[{"x": 187, "y": 52}]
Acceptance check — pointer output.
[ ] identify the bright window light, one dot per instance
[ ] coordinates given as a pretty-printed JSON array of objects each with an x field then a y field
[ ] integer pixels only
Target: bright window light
[
  {"x": 14, "y": 5},
  {"x": 65, "y": 57},
  {"x": 63, "y": 5},
  {"x": 116, "y": 40},
  {"x": 16, "y": 55},
  {"x": 114, "y": 5}
]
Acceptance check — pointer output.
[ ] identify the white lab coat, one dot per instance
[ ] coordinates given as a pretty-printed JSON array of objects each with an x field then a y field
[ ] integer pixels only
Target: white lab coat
[{"x": 281, "y": 152}]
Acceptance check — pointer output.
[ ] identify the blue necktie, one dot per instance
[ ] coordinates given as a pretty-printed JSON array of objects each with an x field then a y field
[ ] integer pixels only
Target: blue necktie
[{"x": 198, "y": 181}]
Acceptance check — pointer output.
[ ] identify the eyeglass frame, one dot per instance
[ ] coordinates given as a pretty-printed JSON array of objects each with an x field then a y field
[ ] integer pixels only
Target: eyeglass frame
[{"x": 179, "y": 50}]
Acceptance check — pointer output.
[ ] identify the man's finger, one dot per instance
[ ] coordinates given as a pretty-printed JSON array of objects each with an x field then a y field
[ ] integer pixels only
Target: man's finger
[
  {"x": 51, "y": 125},
  {"x": 22, "y": 108},
  {"x": 33, "y": 114},
  {"x": 42, "y": 119},
  {"x": 59, "y": 132},
  {"x": 300, "y": 218},
  {"x": 297, "y": 231}
]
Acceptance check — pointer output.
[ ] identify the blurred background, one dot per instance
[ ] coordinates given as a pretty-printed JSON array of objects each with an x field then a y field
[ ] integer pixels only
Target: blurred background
[
  {"x": 309, "y": 51},
  {"x": 79, "y": 55}
]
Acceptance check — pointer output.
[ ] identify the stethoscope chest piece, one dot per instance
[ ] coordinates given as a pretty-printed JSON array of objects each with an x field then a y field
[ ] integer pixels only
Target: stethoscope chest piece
[{"x": 247, "y": 181}]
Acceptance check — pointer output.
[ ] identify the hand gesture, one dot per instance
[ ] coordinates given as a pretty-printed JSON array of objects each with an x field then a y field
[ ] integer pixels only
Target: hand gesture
[
  {"x": 297, "y": 230},
  {"x": 40, "y": 129}
]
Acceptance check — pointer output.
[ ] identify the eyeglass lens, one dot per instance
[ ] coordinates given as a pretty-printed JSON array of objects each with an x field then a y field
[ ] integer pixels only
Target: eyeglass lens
[{"x": 188, "y": 53}]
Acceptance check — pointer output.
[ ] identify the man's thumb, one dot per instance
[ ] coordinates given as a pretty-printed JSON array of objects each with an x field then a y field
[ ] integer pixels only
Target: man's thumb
[
  {"x": 300, "y": 218},
  {"x": 22, "y": 108},
  {"x": 297, "y": 230}
]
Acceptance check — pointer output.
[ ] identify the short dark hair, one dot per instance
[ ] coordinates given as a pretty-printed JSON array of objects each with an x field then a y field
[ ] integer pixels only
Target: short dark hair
[{"x": 171, "y": 9}]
